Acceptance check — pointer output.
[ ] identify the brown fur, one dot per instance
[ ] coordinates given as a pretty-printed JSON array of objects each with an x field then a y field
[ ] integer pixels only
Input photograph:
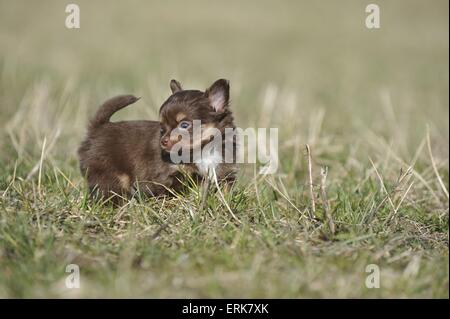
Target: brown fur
[{"x": 120, "y": 157}]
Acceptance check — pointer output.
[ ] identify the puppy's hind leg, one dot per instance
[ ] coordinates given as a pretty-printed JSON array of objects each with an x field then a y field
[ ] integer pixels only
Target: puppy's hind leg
[{"x": 115, "y": 187}]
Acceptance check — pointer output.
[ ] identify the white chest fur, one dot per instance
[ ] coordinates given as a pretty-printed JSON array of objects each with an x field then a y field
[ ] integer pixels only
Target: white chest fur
[{"x": 208, "y": 163}]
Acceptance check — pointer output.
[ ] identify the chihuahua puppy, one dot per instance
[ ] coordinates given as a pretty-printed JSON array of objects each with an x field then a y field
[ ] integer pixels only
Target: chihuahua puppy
[{"x": 117, "y": 158}]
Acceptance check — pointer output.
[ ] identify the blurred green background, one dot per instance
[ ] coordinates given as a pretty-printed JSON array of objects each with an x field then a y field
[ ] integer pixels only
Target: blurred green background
[{"x": 320, "y": 49}]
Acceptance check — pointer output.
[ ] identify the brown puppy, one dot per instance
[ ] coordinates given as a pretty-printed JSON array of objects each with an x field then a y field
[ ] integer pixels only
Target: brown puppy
[{"x": 120, "y": 157}]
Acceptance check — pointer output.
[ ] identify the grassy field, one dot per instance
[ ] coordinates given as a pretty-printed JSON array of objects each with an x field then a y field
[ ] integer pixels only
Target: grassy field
[{"x": 371, "y": 104}]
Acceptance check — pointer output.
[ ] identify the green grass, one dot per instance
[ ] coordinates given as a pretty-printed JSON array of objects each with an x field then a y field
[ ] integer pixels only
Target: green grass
[{"x": 356, "y": 96}]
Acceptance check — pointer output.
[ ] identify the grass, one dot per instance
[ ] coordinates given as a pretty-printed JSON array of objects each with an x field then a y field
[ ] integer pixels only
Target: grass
[{"x": 371, "y": 104}]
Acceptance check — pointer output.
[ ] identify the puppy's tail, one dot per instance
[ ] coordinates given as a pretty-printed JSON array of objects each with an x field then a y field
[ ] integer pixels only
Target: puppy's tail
[{"x": 110, "y": 107}]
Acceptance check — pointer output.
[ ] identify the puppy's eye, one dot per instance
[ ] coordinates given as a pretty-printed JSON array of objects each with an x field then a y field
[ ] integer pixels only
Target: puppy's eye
[
  {"x": 161, "y": 130},
  {"x": 184, "y": 124}
]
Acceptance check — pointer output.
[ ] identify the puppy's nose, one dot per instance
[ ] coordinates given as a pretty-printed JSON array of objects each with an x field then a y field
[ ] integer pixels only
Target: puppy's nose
[{"x": 166, "y": 143}]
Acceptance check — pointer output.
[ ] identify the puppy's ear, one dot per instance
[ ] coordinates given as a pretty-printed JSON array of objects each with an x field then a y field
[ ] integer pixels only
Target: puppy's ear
[
  {"x": 175, "y": 86},
  {"x": 219, "y": 95}
]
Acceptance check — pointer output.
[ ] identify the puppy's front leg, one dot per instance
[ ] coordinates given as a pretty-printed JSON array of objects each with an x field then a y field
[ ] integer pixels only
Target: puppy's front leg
[{"x": 204, "y": 192}]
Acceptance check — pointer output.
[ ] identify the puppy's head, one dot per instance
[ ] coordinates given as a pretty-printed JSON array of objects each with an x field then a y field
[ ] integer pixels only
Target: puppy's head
[{"x": 184, "y": 109}]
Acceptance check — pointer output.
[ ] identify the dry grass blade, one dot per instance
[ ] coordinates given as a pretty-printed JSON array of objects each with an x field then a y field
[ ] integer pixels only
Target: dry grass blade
[
  {"x": 286, "y": 197},
  {"x": 433, "y": 163},
  {"x": 223, "y": 197},
  {"x": 326, "y": 204},
  {"x": 383, "y": 186},
  {"x": 311, "y": 191},
  {"x": 66, "y": 178},
  {"x": 13, "y": 179},
  {"x": 44, "y": 152},
  {"x": 40, "y": 166},
  {"x": 376, "y": 141}
]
